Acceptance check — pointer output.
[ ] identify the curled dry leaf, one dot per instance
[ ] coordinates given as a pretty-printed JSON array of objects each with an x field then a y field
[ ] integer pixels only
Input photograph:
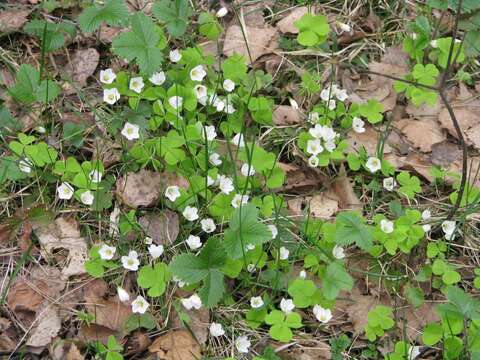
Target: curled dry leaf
[
  {"x": 176, "y": 345},
  {"x": 12, "y": 20},
  {"x": 285, "y": 115},
  {"x": 82, "y": 66},
  {"x": 162, "y": 227},
  {"x": 260, "y": 41},
  {"x": 415, "y": 131},
  {"x": 7, "y": 342},
  {"x": 109, "y": 313},
  {"x": 64, "y": 233},
  {"x": 342, "y": 191},
  {"x": 199, "y": 323},
  {"x": 286, "y": 25},
  {"x": 137, "y": 343},
  {"x": 299, "y": 179},
  {"x": 322, "y": 206},
  {"x": 318, "y": 350}
]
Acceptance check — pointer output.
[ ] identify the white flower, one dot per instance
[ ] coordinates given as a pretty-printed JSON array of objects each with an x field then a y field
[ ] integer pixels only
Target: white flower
[
  {"x": 313, "y": 161},
  {"x": 427, "y": 227},
  {"x": 238, "y": 200},
  {"x": 210, "y": 181},
  {"x": 344, "y": 27},
  {"x": 198, "y": 73},
  {"x": 95, "y": 176},
  {"x": 287, "y": 305},
  {"x": 338, "y": 252},
  {"x": 87, "y": 197},
  {"x": 313, "y": 117},
  {"x": 325, "y": 94},
  {"x": 330, "y": 145},
  {"x": 247, "y": 170},
  {"x": 172, "y": 193},
  {"x": 175, "y": 102},
  {"x": 229, "y": 109},
  {"x": 216, "y": 329},
  {"x": 293, "y": 104},
  {"x": 332, "y": 104},
  {"x": 238, "y": 140},
  {"x": 136, "y": 84},
  {"x": 220, "y": 106},
  {"x": 314, "y": 147},
  {"x": 341, "y": 95},
  {"x": 373, "y": 164},
  {"x": 179, "y": 281},
  {"x": 225, "y": 184},
  {"x": 155, "y": 251},
  {"x": 256, "y": 302},
  {"x": 131, "y": 261},
  {"x": 175, "y": 56},
  {"x": 111, "y": 96},
  {"x": 130, "y": 131},
  {"x": 107, "y": 252},
  {"x": 107, "y": 76},
  {"x": 414, "y": 352},
  {"x": 157, "y": 78},
  {"x": 25, "y": 166},
  {"x": 450, "y": 236},
  {"x": 208, "y": 225},
  {"x": 434, "y": 43},
  {"x": 122, "y": 294},
  {"x": 386, "y": 226},
  {"x": 302, "y": 274},
  {"x": 249, "y": 247},
  {"x": 389, "y": 183},
  {"x": 273, "y": 229},
  {"x": 200, "y": 91},
  {"x": 322, "y": 315},
  {"x": 426, "y": 214},
  {"x": 323, "y": 132},
  {"x": 214, "y": 159},
  {"x": 228, "y": 85},
  {"x": 192, "y": 302},
  {"x": 414, "y": 36},
  {"x": 358, "y": 125},
  {"x": 242, "y": 344},
  {"x": 40, "y": 129},
  {"x": 221, "y": 12},
  {"x": 210, "y": 131},
  {"x": 148, "y": 240},
  {"x": 65, "y": 191},
  {"x": 193, "y": 242},
  {"x": 140, "y": 305},
  {"x": 190, "y": 213},
  {"x": 284, "y": 252},
  {"x": 448, "y": 227}
]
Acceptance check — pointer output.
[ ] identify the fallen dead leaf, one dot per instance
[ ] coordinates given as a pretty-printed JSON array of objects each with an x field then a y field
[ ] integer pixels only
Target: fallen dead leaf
[
  {"x": 48, "y": 325},
  {"x": 286, "y": 25},
  {"x": 368, "y": 139},
  {"x": 373, "y": 22},
  {"x": 444, "y": 153},
  {"x": 358, "y": 311},
  {"x": 299, "y": 179},
  {"x": 162, "y": 227},
  {"x": 260, "y": 41},
  {"x": 6, "y": 341},
  {"x": 342, "y": 191},
  {"x": 285, "y": 115},
  {"x": 416, "y": 319},
  {"x": 93, "y": 332},
  {"x": 199, "y": 323},
  {"x": 12, "y": 20},
  {"x": 415, "y": 131},
  {"x": 106, "y": 150},
  {"x": 322, "y": 206},
  {"x": 64, "y": 233},
  {"x": 107, "y": 33},
  {"x": 176, "y": 345},
  {"x": 61, "y": 349},
  {"x": 82, "y": 66},
  {"x": 139, "y": 189},
  {"x": 319, "y": 350},
  {"x": 74, "y": 354},
  {"x": 137, "y": 343},
  {"x": 110, "y": 313}
]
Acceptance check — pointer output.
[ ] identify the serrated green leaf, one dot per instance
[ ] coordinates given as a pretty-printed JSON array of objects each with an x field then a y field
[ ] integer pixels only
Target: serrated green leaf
[
  {"x": 113, "y": 12},
  {"x": 351, "y": 229}
]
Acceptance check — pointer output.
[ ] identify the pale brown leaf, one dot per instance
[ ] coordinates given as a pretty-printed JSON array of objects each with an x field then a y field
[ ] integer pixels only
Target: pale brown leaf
[
  {"x": 176, "y": 345},
  {"x": 285, "y": 115},
  {"x": 162, "y": 227},
  {"x": 286, "y": 25}
]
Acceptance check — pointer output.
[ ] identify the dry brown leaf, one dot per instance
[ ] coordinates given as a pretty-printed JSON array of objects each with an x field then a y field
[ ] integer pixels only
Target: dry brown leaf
[
  {"x": 358, "y": 311},
  {"x": 162, "y": 227},
  {"x": 420, "y": 163},
  {"x": 176, "y": 345},
  {"x": 415, "y": 131},
  {"x": 12, "y": 20},
  {"x": 299, "y": 179},
  {"x": 139, "y": 189},
  {"x": 106, "y": 150},
  {"x": 82, "y": 66},
  {"x": 6, "y": 342},
  {"x": 322, "y": 206},
  {"x": 64, "y": 233},
  {"x": 319, "y": 350},
  {"x": 199, "y": 323},
  {"x": 416, "y": 319},
  {"x": 110, "y": 313},
  {"x": 368, "y": 139},
  {"x": 107, "y": 33},
  {"x": 260, "y": 41},
  {"x": 93, "y": 332},
  {"x": 444, "y": 153},
  {"x": 285, "y": 115},
  {"x": 137, "y": 343},
  {"x": 48, "y": 325},
  {"x": 74, "y": 353},
  {"x": 373, "y": 22},
  {"x": 286, "y": 24},
  {"x": 295, "y": 206},
  {"x": 342, "y": 191}
]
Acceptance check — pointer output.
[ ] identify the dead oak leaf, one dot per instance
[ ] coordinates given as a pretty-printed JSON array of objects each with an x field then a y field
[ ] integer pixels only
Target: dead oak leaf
[
  {"x": 82, "y": 66},
  {"x": 176, "y": 345},
  {"x": 286, "y": 25},
  {"x": 285, "y": 115},
  {"x": 199, "y": 323},
  {"x": 415, "y": 131},
  {"x": 64, "y": 233},
  {"x": 163, "y": 227},
  {"x": 48, "y": 325},
  {"x": 251, "y": 43},
  {"x": 415, "y": 320},
  {"x": 110, "y": 313}
]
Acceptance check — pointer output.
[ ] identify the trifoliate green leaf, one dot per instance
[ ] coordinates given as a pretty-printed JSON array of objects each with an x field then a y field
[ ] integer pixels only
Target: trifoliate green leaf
[{"x": 154, "y": 278}]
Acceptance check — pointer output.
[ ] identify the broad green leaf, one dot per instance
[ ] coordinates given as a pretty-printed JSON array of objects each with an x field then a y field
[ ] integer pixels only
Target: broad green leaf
[
  {"x": 154, "y": 278},
  {"x": 175, "y": 14},
  {"x": 335, "y": 279},
  {"x": 351, "y": 229},
  {"x": 113, "y": 12}
]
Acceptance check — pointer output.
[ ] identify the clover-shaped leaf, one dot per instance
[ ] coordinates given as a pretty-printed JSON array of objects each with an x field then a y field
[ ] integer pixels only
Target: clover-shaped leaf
[
  {"x": 372, "y": 111},
  {"x": 313, "y": 29},
  {"x": 281, "y": 324},
  {"x": 409, "y": 185},
  {"x": 425, "y": 74},
  {"x": 154, "y": 278}
]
